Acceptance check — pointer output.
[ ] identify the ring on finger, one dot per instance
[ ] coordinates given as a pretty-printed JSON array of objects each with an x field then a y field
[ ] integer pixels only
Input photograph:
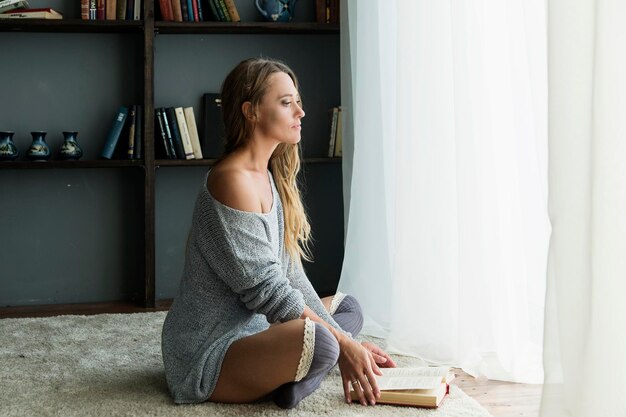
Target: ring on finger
[{"x": 355, "y": 382}]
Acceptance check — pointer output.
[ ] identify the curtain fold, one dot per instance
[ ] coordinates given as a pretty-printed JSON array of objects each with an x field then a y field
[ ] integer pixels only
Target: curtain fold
[
  {"x": 445, "y": 182},
  {"x": 585, "y": 340}
]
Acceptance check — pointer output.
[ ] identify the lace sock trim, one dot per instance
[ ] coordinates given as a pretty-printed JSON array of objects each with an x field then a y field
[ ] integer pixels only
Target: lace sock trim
[
  {"x": 308, "y": 349},
  {"x": 337, "y": 299}
]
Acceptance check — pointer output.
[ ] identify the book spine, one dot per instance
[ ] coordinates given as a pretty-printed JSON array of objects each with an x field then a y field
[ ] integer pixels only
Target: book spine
[
  {"x": 130, "y": 9},
  {"x": 132, "y": 121},
  {"x": 84, "y": 9},
  {"x": 334, "y": 11},
  {"x": 224, "y": 11},
  {"x": 183, "y": 10},
  {"x": 168, "y": 134},
  {"x": 333, "y": 131},
  {"x": 320, "y": 11},
  {"x": 339, "y": 136},
  {"x": 121, "y": 10},
  {"x": 92, "y": 9},
  {"x": 172, "y": 122},
  {"x": 114, "y": 134},
  {"x": 100, "y": 13},
  {"x": 328, "y": 11},
  {"x": 166, "y": 10},
  {"x": 194, "y": 5},
  {"x": 111, "y": 9},
  {"x": 137, "y": 11},
  {"x": 138, "y": 132},
  {"x": 212, "y": 139},
  {"x": 200, "y": 14},
  {"x": 189, "y": 11},
  {"x": 159, "y": 119},
  {"x": 216, "y": 15},
  {"x": 177, "y": 11},
  {"x": 184, "y": 133},
  {"x": 232, "y": 10},
  {"x": 192, "y": 128}
]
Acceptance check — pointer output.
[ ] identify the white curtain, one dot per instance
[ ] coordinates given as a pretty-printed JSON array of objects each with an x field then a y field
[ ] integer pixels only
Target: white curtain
[
  {"x": 585, "y": 343},
  {"x": 445, "y": 179}
]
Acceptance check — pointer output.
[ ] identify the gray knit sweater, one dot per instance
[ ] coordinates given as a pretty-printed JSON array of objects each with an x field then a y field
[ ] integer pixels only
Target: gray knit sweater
[{"x": 237, "y": 279}]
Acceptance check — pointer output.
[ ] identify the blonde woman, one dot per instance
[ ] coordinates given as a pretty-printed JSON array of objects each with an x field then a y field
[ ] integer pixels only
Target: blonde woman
[{"x": 247, "y": 324}]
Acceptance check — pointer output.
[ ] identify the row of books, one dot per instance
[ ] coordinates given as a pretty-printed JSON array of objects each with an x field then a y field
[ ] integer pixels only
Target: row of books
[
  {"x": 176, "y": 127},
  {"x": 196, "y": 10},
  {"x": 111, "y": 9},
  {"x": 336, "y": 132},
  {"x": 327, "y": 11},
  {"x": 125, "y": 139}
]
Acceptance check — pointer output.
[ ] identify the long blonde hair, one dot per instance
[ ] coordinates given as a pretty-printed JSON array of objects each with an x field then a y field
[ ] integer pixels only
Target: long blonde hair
[{"x": 248, "y": 81}]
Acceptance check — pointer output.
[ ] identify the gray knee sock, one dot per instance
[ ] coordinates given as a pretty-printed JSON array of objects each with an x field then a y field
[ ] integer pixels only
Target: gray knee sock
[
  {"x": 325, "y": 355},
  {"x": 349, "y": 315}
]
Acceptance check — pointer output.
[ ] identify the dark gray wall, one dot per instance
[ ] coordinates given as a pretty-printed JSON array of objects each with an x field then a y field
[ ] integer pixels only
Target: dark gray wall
[{"x": 72, "y": 235}]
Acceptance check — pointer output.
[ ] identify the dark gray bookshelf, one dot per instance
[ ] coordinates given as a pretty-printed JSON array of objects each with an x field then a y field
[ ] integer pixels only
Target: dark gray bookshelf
[{"x": 142, "y": 185}]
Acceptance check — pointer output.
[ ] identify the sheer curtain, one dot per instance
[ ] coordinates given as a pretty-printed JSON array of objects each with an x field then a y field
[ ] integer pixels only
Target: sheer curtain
[
  {"x": 445, "y": 179},
  {"x": 585, "y": 339}
]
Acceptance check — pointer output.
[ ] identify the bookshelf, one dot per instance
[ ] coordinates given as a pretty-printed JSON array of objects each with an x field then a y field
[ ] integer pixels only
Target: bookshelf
[{"x": 140, "y": 222}]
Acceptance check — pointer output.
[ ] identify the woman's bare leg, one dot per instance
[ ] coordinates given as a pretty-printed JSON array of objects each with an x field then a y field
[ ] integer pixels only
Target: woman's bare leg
[
  {"x": 327, "y": 301},
  {"x": 256, "y": 365}
]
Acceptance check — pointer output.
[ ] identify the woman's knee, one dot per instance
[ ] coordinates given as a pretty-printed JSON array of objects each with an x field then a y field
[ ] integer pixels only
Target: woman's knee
[{"x": 349, "y": 315}]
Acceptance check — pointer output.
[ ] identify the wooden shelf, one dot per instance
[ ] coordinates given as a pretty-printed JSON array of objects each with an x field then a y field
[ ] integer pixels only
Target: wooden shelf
[
  {"x": 87, "y": 309},
  {"x": 244, "y": 28},
  {"x": 69, "y": 164},
  {"x": 71, "y": 26}
]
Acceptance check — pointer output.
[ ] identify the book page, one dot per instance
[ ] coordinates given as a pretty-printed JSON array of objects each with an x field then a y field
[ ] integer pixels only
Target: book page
[{"x": 412, "y": 378}]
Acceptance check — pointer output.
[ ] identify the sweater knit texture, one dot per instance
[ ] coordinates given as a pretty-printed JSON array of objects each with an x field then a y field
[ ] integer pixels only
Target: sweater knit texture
[{"x": 237, "y": 279}]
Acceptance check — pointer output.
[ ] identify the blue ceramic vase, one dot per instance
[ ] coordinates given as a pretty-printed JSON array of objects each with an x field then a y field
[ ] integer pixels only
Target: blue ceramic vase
[
  {"x": 8, "y": 150},
  {"x": 70, "y": 150},
  {"x": 276, "y": 10},
  {"x": 39, "y": 150}
]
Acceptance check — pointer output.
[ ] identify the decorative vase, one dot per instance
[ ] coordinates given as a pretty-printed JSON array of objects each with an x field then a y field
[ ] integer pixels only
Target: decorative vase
[
  {"x": 70, "y": 150},
  {"x": 39, "y": 150},
  {"x": 277, "y": 10},
  {"x": 8, "y": 150}
]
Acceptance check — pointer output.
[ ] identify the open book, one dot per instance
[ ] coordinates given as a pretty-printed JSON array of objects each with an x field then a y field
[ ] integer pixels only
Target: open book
[{"x": 419, "y": 387}]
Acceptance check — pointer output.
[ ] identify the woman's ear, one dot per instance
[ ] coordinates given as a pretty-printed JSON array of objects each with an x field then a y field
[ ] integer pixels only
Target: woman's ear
[{"x": 248, "y": 112}]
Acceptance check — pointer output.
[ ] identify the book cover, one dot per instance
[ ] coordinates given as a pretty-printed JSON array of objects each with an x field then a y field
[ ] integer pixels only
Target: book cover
[
  {"x": 137, "y": 154},
  {"x": 168, "y": 134},
  {"x": 417, "y": 387},
  {"x": 6, "y": 5},
  {"x": 114, "y": 134},
  {"x": 132, "y": 120},
  {"x": 165, "y": 147},
  {"x": 190, "y": 118},
  {"x": 172, "y": 122},
  {"x": 213, "y": 125},
  {"x": 184, "y": 133}
]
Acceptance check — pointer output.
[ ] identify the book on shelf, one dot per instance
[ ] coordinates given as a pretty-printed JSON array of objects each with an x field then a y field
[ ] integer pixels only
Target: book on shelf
[
  {"x": 164, "y": 148},
  {"x": 184, "y": 133},
  {"x": 111, "y": 9},
  {"x": 84, "y": 9},
  {"x": 8, "y": 5},
  {"x": 177, "y": 140},
  {"x": 114, "y": 134},
  {"x": 137, "y": 10},
  {"x": 92, "y": 9},
  {"x": 333, "y": 115},
  {"x": 232, "y": 10},
  {"x": 44, "y": 13},
  {"x": 192, "y": 128},
  {"x": 120, "y": 10},
  {"x": 100, "y": 10},
  {"x": 177, "y": 10},
  {"x": 339, "y": 134},
  {"x": 213, "y": 125},
  {"x": 132, "y": 123},
  {"x": 418, "y": 387}
]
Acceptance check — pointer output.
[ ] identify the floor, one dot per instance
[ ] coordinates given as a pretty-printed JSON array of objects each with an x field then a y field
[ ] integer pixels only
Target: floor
[{"x": 501, "y": 399}]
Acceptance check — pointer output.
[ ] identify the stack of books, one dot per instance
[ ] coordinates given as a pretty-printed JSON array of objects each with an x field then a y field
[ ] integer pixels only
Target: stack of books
[
  {"x": 196, "y": 10},
  {"x": 111, "y": 9},
  {"x": 125, "y": 138},
  {"x": 176, "y": 133},
  {"x": 20, "y": 9}
]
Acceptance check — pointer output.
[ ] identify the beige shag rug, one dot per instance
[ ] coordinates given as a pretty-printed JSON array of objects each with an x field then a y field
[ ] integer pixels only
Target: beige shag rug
[{"x": 110, "y": 365}]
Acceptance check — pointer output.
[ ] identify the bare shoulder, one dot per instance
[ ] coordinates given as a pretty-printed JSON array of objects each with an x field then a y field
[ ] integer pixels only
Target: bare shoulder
[{"x": 234, "y": 188}]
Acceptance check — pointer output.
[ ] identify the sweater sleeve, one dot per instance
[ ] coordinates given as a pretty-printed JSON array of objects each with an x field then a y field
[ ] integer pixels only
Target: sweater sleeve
[
  {"x": 299, "y": 280},
  {"x": 236, "y": 246}
]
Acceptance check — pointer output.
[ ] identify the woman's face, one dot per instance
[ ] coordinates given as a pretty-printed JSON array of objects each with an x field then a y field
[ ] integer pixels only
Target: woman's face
[{"x": 280, "y": 110}]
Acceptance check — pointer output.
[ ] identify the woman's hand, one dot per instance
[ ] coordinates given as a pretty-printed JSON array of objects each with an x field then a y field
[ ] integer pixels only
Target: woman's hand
[
  {"x": 379, "y": 356},
  {"x": 357, "y": 368}
]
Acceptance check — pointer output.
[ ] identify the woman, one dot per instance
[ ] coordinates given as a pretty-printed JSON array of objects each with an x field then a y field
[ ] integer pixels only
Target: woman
[{"x": 247, "y": 324}]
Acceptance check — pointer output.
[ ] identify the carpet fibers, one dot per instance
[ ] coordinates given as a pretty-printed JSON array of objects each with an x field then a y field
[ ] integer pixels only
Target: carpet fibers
[{"x": 110, "y": 365}]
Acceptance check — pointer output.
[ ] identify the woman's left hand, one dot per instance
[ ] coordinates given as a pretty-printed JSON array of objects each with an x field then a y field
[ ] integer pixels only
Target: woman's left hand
[{"x": 379, "y": 357}]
